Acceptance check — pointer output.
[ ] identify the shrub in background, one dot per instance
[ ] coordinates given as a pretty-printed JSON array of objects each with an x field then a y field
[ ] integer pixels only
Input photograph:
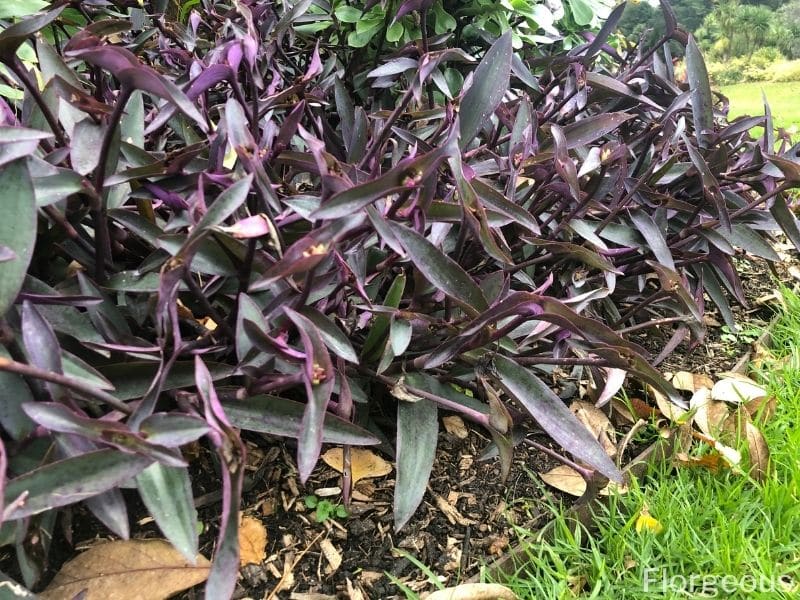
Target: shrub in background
[{"x": 218, "y": 227}]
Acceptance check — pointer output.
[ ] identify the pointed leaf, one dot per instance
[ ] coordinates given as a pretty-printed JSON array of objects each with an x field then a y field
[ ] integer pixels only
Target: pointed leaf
[
  {"x": 71, "y": 480},
  {"x": 167, "y": 494},
  {"x": 441, "y": 270},
  {"x": 702, "y": 99},
  {"x": 489, "y": 84},
  {"x": 280, "y": 416},
  {"x": 17, "y": 229},
  {"x": 553, "y": 416},
  {"x": 417, "y": 432}
]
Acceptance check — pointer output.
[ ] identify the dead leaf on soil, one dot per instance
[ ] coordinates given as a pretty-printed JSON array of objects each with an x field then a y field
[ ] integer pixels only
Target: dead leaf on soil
[
  {"x": 596, "y": 421},
  {"x": 252, "y": 541},
  {"x": 568, "y": 480},
  {"x": 127, "y": 569},
  {"x": 737, "y": 390},
  {"x": 331, "y": 554},
  {"x": 474, "y": 591},
  {"x": 731, "y": 455},
  {"x": 691, "y": 382},
  {"x": 759, "y": 452},
  {"x": 498, "y": 544},
  {"x": 450, "y": 511},
  {"x": 671, "y": 411},
  {"x": 364, "y": 464},
  {"x": 455, "y": 426}
]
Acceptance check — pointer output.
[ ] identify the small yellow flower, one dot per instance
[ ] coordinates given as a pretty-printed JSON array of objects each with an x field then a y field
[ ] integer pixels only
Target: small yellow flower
[{"x": 647, "y": 523}]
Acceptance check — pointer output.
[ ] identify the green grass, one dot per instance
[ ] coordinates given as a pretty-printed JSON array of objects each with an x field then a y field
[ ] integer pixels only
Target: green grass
[
  {"x": 746, "y": 99},
  {"x": 715, "y": 525}
]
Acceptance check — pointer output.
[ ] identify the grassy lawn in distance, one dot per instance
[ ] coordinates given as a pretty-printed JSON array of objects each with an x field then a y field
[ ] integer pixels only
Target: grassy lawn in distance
[
  {"x": 746, "y": 99},
  {"x": 723, "y": 528}
]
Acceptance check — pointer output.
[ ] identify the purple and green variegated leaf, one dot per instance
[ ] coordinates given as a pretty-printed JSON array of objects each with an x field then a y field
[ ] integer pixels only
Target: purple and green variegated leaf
[
  {"x": 230, "y": 449},
  {"x": 167, "y": 494},
  {"x": 553, "y": 416},
  {"x": 132, "y": 380},
  {"x": 586, "y": 131},
  {"x": 172, "y": 430},
  {"x": 711, "y": 189},
  {"x": 41, "y": 344},
  {"x": 17, "y": 229},
  {"x": 280, "y": 416},
  {"x": 417, "y": 433},
  {"x": 333, "y": 337},
  {"x": 222, "y": 207},
  {"x": 702, "y": 98},
  {"x": 319, "y": 379},
  {"x": 786, "y": 219},
  {"x": 489, "y": 84},
  {"x": 69, "y": 481},
  {"x": 441, "y": 270}
]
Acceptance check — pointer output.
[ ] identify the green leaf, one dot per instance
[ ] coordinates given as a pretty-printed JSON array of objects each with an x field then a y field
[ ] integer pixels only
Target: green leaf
[
  {"x": 489, "y": 84},
  {"x": 17, "y": 229},
  {"x": 13, "y": 37},
  {"x": 441, "y": 270},
  {"x": 333, "y": 337},
  {"x": 581, "y": 11},
  {"x": 71, "y": 480},
  {"x": 417, "y": 432},
  {"x": 786, "y": 219},
  {"x": 553, "y": 416},
  {"x": 222, "y": 208},
  {"x": 167, "y": 494},
  {"x": 248, "y": 311},
  {"x": 133, "y": 379},
  {"x": 280, "y": 416},
  {"x": 14, "y": 9},
  {"x": 702, "y": 99},
  {"x": 374, "y": 342},
  {"x": 14, "y": 392},
  {"x": 395, "y": 32},
  {"x": 348, "y": 14}
]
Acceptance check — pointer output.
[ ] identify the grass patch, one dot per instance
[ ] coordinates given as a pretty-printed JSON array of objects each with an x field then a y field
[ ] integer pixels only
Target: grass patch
[
  {"x": 746, "y": 99},
  {"x": 737, "y": 537}
]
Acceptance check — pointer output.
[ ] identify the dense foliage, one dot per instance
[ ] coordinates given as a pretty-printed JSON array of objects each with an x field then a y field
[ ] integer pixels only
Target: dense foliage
[{"x": 221, "y": 228}]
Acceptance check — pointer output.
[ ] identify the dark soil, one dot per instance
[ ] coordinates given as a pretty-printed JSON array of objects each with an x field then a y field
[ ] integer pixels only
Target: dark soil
[{"x": 468, "y": 518}]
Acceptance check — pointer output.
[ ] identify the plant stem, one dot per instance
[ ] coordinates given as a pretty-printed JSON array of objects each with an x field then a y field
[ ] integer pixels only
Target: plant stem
[
  {"x": 19, "y": 70},
  {"x": 13, "y": 366}
]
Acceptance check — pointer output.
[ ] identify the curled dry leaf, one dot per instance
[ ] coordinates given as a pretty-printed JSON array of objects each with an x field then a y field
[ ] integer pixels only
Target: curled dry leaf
[
  {"x": 672, "y": 412},
  {"x": 127, "y": 569},
  {"x": 568, "y": 480},
  {"x": 364, "y": 464},
  {"x": 252, "y": 541},
  {"x": 758, "y": 451},
  {"x": 451, "y": 512},
  {"x": 712, "y": 461},
  {"x": 596, "y": 421},
  {"x": 737, "y": 390},
  {"x": 474, "y": 591},
  {"x": 709, "y": 414},
  {"x": 691, "y": 382},
  {"x": 761, "y": 410},
  {"x": 455, "y": 425}
]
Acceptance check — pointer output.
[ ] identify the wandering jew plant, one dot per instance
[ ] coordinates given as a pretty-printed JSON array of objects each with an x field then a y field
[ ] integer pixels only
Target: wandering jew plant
[{"x": 213, "y": 227}]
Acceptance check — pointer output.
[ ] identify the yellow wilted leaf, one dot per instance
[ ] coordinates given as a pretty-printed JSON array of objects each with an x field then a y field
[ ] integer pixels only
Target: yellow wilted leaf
[
  {"x": 645, "y": 522},
  {"x": 252, "y": 541},
  {"x": 364, "y": 464},
  {"x": 127, "y": 570}
]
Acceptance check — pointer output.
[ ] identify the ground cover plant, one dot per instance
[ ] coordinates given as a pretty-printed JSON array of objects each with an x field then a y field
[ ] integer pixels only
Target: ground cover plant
[
  {"x": 733, "y": 532},
  {"x": 214, "y": 228}
]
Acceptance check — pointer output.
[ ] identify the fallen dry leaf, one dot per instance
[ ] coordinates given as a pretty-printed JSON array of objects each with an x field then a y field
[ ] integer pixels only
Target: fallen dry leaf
[
  {"x": 474, "y": 591},
  {"x": 568, "y": 480},
  {"x": 712, "y": 461},
  {"x": 331, "y": 554},
  {"x": 252, "y": 541},
  {"x": 691, "y": 382},
  {"x": 596, "y": 421},
  {"x": 668, "y": 409},
  {"x": 498, "y": 544},
  {"x": 451, "y": 512},
  {"x": 364, "y": 464},
  {"x": 758, "y": 451},
  {"x": 127, "y": 570},
  {"x": 709, "y": 414},
  {"x": 565, "y": 479},
  {"x": 761, "y": 410},
  {"x": 737, "y": 390},
  {"x": 455, "y": 426}
]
